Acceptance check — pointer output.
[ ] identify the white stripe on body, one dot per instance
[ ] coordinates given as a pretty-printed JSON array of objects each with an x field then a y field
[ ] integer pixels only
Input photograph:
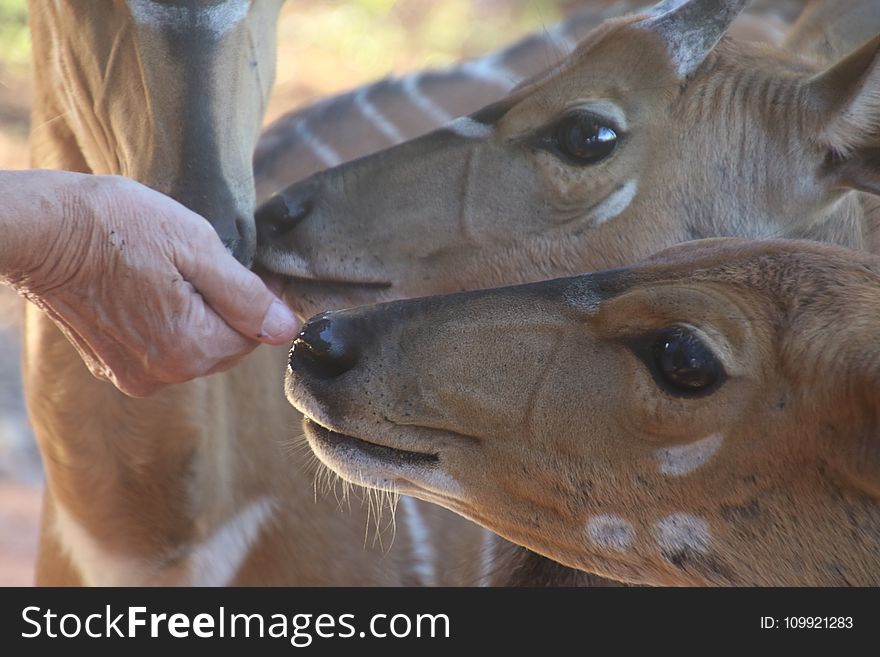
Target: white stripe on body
[
  {"x": 374, "y": 116},
  {"x": 213, "y": 562},
  {"x": 423, "y": 551},
  {"x": 326, "y": 154},
  {"x": 410, "y": 84}
]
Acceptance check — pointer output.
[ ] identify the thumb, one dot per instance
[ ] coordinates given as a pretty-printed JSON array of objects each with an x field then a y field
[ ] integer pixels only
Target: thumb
[{"x": 242, "y": 299}]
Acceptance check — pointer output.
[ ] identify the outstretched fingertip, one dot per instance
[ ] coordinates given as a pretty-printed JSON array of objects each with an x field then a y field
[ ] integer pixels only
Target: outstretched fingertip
[{"x": 280, "y": 325}]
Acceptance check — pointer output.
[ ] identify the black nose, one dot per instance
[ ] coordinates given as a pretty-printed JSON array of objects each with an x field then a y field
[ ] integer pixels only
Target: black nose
[
  {"x": 284, "y": 211},
  {"x": 325, "y": 348}
]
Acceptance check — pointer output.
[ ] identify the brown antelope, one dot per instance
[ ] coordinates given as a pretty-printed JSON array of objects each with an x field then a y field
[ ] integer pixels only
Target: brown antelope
[
  {"x": 656, "y": 130},
  {"x": 193, "y": 485},
  {"x": 639, "y": 140},
  {"x": 187, "y": 487},
  {"x": 702, "y": 418}
]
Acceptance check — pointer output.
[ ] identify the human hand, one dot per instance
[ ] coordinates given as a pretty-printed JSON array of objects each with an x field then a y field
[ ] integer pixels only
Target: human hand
[{"x": 141, "y": 286}]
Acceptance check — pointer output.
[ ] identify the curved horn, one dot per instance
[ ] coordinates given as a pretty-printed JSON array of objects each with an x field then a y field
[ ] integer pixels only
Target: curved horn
[{"x": 691, "y": 28}]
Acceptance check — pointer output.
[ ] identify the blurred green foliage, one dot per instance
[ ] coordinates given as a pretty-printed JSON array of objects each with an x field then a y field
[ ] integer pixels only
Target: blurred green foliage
[
  {"x": 368, "y": 31},
  {"x": 15, "y": 43},
  {"x": 374, "y": 37}
]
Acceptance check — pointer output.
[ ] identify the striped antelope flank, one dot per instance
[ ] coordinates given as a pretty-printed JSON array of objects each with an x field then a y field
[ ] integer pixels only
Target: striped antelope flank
[
  {"x": 193, "y": 485},
  {"x": 701, "y": 418},
  {"x": 636, "y": 142},
  {"x": 368, "y": 119}
]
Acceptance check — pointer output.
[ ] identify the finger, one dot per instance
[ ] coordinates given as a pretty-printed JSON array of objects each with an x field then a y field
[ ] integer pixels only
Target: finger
[
  {"x": 207, "y": 343},
  {"x": 241, "y": 298}
]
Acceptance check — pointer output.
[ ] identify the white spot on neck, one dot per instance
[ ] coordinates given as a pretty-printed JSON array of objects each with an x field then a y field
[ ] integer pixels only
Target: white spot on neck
[
  {"x": 216, "y": 19},
  {"x": 682, "y": 459},
  {"x": 469, "y": 129},
  {"x": 615, "y": 203},
  {"x": 682, "y": 531},
  {"x": 420, "y": 539},
  {"x": 610, "y": 532}
]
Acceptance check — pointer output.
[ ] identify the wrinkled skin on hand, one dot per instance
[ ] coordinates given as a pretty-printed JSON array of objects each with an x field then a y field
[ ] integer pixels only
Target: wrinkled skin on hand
[{"x": 141, "y": 286}]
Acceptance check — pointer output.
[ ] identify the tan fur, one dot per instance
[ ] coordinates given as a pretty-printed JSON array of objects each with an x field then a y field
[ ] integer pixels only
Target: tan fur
[
  {"x": 182, "y": 464},
  {"x": 542, "y": 416},
  {"x": 730, "y": 151},
  {"x": 735, "y": 150},
  {"x": 151, "y": 480}
]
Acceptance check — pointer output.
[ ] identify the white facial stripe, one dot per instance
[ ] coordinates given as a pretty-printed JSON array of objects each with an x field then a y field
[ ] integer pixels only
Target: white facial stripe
[
  {"x": 615, "y": 203},
  {"x": 610, "y": 532},
  {"x": 682, "y": 531},
  {"x": 374, "y": 116},
  {"x": 414, "y": 93},
  {"x": 420, "y": 539},
  {"x": 682, "y": 459},
  {"x": 469, "y": 129},
  {"x": 215, "y": 19}
]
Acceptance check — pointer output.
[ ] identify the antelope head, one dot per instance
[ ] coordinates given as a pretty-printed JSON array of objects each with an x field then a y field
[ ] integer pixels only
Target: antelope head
[
  {"x": 656, "y": 130},
  {"x": 170, "y": 93},
  {"x": 702, "y": 418}
]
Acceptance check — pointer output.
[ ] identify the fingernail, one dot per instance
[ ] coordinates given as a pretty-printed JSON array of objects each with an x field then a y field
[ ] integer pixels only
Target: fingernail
[{"x": 279, "y": 323}]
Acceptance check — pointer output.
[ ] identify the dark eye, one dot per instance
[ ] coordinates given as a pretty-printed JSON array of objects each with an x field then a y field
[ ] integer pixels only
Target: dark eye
[
  {"x": 583, "y": 139},
  {"x": 684, "y": 363}
]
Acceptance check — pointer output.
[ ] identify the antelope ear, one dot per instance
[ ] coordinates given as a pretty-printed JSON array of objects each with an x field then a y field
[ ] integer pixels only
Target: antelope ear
[
  {"x": 692, "y": 28},
  {"x": 847, "y": 97}
]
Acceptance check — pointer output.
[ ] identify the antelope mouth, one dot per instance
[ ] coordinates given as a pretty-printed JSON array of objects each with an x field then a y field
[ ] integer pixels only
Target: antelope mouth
[
  {"x": 367, "y": 463},
  {"x": 335, "y": 284},
  {"x": 326, "y": 442},
  {"x": 310, "y": 296}
]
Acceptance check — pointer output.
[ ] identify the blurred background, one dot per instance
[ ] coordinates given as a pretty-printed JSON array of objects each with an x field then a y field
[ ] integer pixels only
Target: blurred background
[{"x": 325, "y": 46}]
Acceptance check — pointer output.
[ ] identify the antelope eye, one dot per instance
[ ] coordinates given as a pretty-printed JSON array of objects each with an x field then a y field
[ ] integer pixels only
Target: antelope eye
[
  {"x": 684, "y": 364},
  {"x": 584, "y": 139}
]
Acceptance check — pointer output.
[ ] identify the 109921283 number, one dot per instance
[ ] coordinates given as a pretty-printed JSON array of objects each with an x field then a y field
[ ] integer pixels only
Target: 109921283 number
[{"x": 817, "y": 622}]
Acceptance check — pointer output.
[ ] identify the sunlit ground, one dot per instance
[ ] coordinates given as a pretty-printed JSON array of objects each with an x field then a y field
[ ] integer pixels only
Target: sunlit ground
[{"x": 325, "y": 46}]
